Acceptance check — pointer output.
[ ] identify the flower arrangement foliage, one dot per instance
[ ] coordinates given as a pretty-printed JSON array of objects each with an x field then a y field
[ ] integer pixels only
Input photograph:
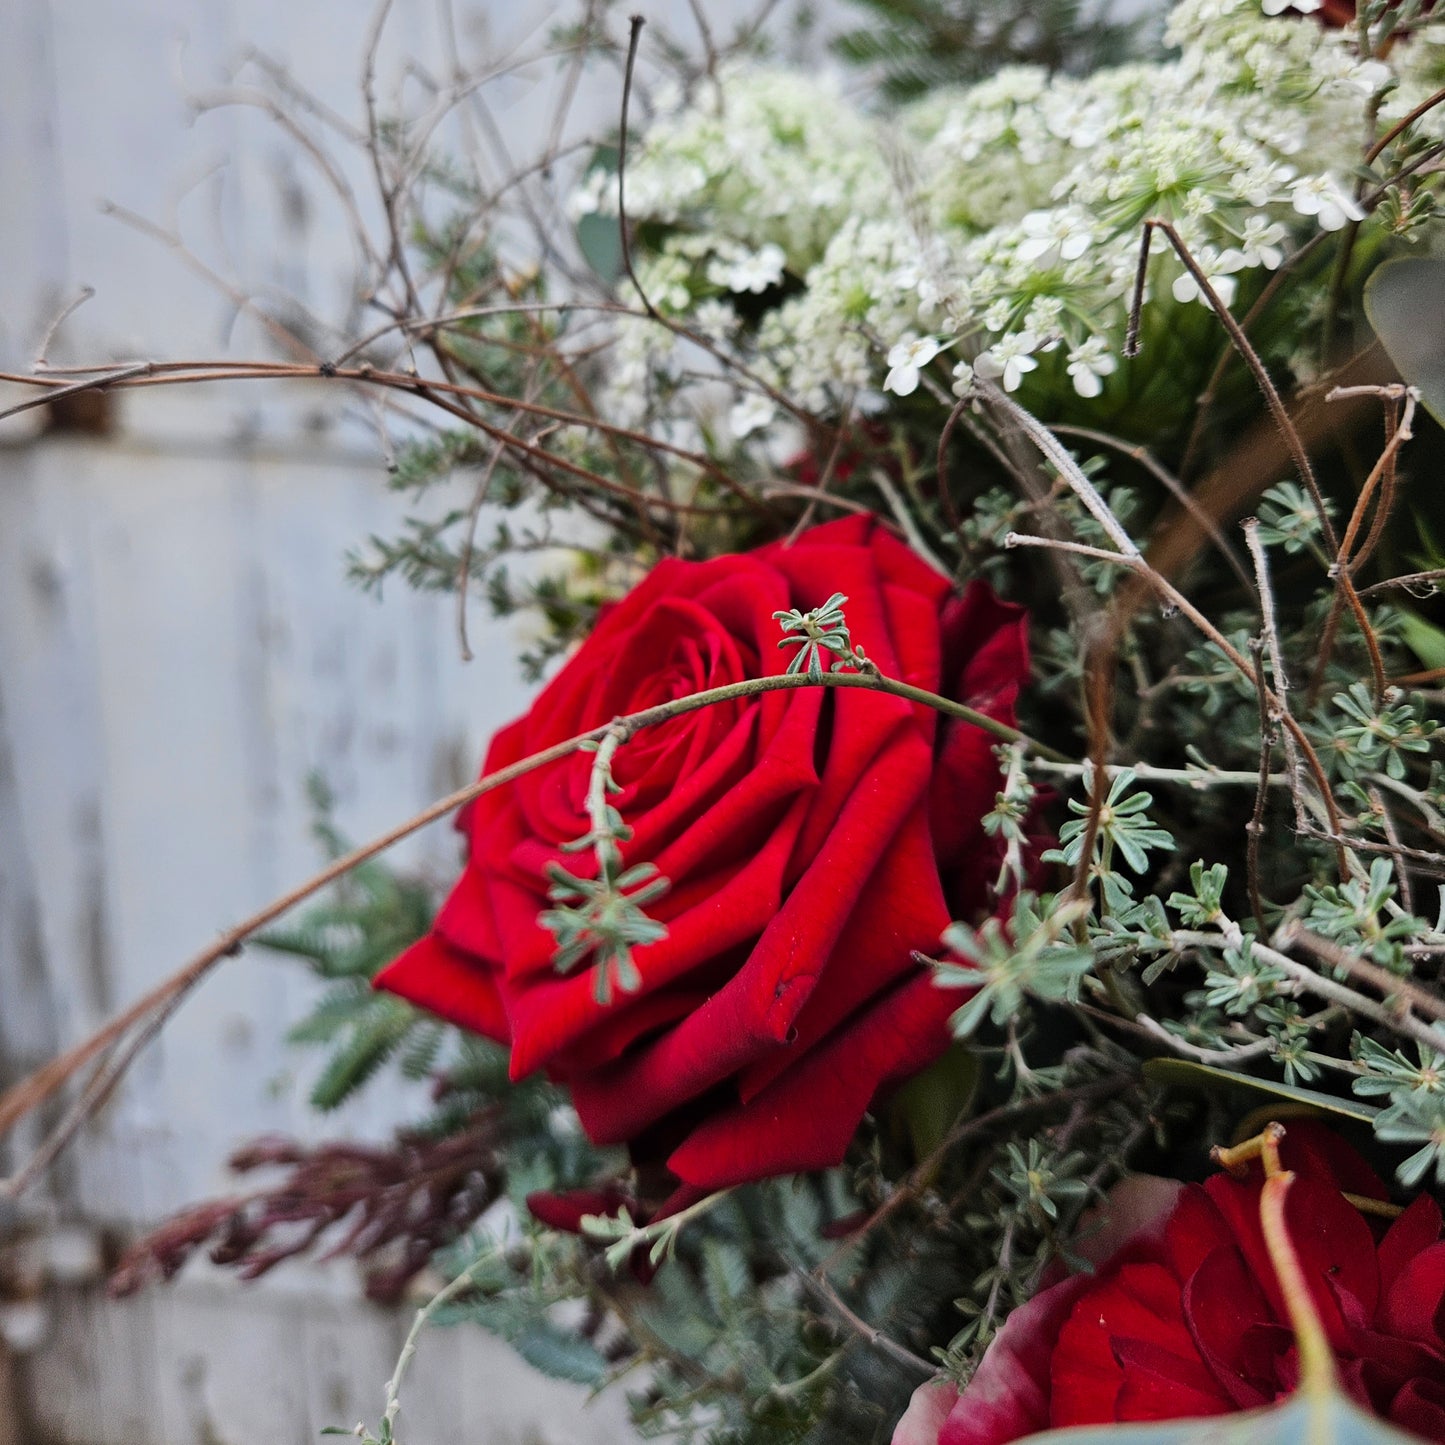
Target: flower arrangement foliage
[{"x": 989, "y": 752}]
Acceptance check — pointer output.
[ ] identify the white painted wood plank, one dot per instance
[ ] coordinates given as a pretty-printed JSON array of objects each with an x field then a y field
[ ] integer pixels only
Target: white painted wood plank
[{"x": 94, "y": 1382}]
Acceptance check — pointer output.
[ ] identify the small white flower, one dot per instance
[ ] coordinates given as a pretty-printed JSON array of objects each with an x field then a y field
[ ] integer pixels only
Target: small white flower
[
  {"x": 1259, "y": 246},
  {"x": 1009, "y": 358},
  {"x": 906, "y": 360},
  {"x": 1060, "y": 233},
  {"x": 1042, "y": 318},
  {"x": 1278, "y": 7},
  {"x": 1089, "y": 362},
  {"x": 1217, "y": 269},
  {"x": 905, "y": 278},
  {"x": 714, "y": 318},
  {"x": 750, "y": 414},
  {"x": 997, "y": 315},
  {"x": 752, "y": 271},
  {"x": 1370, "y": 76},
  {"x": 1324, "y": 198},
  {"x": 962, "y": 378},
  {"x": 563, "y": 1123}
]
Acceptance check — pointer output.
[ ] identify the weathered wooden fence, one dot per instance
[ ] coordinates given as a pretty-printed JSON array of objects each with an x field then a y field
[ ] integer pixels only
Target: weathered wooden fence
[{"x": 178, "y": 648}]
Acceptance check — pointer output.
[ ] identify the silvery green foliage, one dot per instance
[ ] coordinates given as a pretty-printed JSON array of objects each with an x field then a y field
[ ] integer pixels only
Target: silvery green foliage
[{"x": 991, "y": 228}]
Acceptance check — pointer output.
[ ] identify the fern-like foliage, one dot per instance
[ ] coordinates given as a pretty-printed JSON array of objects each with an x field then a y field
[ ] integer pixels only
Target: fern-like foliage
[{"x": 371, "y": 916}]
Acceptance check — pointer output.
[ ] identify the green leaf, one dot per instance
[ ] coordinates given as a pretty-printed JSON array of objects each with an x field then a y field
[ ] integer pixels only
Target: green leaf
[
  {"x": 727, "y": 1276},
  {"x": 1405, "y": 301},
  {"x": 560, "y": 1355},
  {"x": 927, "y": 1105},
  {"x": 1185, "y": 1074},
  {"x": 1424, "y": 639},
  {"x": 600, "y": 242},
  {"x": 1329, "y": 1420}
]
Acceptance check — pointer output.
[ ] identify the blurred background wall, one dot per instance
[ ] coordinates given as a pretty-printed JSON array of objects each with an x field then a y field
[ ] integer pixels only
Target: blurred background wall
[{"x": 178, "y": 649}]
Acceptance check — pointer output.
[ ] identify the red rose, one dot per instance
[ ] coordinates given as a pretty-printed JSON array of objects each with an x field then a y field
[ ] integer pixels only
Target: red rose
[
  {"x": 1339, "y": 14},
  {"x": 1186, "y": 1319},
  {"x": 813, "y": 839}
]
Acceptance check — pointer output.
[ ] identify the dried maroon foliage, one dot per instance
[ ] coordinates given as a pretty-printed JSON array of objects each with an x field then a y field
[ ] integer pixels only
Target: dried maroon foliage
[{"x": 389, "y": 1208}]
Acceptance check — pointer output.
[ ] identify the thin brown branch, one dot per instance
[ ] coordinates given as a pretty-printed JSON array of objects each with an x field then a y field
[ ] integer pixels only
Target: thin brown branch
[
  {"x": 30, "y": 1092},
  {"x": 1174, "y": 598},
  {"x": 1409, "y": 581},
  {"x": 830, "y": 467},
  {"x": 1388, "y": 985},
  {"x": 432, "y": 390},
  {"x": 61, "y": 317},
  {"x": 969, "y": 1127},
  {"x": 634, "y": 37},
  {"x": 1170, "y": 483},
  {"x": 1402, "y": 125},
  {"x": 824, "y": 1291},
  {"x": 1397, "y": 848},
  {"x": 469, "y": 539},
  {"x": 1345, "y": 593},
  {"x": 1254, "y": 829},
  {"x": 1275, "y": 403}
]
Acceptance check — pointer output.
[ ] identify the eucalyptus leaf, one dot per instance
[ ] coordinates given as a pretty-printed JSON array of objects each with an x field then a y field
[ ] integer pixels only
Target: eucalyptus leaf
[
  {"x": 1185, "y": 1074},
  {"x": 1301, "y": 1420},
  {"x": 1424, "y": 639},
  {"x": 1405, "y": 301}
]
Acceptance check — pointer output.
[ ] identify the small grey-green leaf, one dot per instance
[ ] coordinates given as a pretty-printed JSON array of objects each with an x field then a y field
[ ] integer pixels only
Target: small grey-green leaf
[
  {"x": 1405, "y": 301},
  {"x": 600, "y": 241}
]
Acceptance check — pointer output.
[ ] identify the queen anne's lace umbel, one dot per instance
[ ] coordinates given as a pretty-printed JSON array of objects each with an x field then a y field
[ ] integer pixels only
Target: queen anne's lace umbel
[{"x": 998, "y": 222}]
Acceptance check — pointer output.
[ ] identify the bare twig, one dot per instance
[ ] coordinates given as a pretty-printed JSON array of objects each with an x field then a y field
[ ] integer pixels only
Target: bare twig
[
  {"x": 101, "y": 1085},
  {"x": 1254, "y": 829},
  {"x": 1169, "y": 482},
  {"x": 820, "y": 1287},
  {"x": 1277, "y": 702},
  {"x": 1174, "y": 598},
  {"x": 1409, "y": 581},
  {"x": 464, "y": 567},
  {"x": 1389, "y": 985},
  {"x": 64, "y": 314},
  {"x": 1403, "y": 124},
  {"x": 1345, "y": 563},
  {"x": 633, "y": 38},
  {"x": 29, "y": 1093},
  {"x": 1309, "y": 981},
  {"x": 1251, "y": 358}
]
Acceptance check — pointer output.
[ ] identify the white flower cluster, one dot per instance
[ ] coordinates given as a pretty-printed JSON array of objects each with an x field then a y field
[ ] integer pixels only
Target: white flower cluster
[{"x": 994, "y": 230}]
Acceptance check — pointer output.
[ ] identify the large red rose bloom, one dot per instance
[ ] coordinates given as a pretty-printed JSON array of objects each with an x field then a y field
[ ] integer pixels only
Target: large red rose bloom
[
  {"x": 812, "y": 838},
  {"x": 1186, "y": 1318}
]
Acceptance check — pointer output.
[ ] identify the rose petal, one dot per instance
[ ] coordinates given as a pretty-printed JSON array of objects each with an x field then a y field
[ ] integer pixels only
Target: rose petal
[
  {"x": 926, "y": 1412},
  {"x": 1008, "y": 1396},
  {"x": 435, "y": 976}
]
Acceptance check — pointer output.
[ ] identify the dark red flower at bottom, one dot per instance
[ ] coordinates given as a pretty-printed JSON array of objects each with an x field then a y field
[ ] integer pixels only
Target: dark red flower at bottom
[{"x": 1186, "y": 1318}]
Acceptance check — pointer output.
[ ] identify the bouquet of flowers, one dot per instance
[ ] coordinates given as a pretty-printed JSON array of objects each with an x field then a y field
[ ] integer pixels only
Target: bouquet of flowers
[{"x": 953, "y": 951}]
